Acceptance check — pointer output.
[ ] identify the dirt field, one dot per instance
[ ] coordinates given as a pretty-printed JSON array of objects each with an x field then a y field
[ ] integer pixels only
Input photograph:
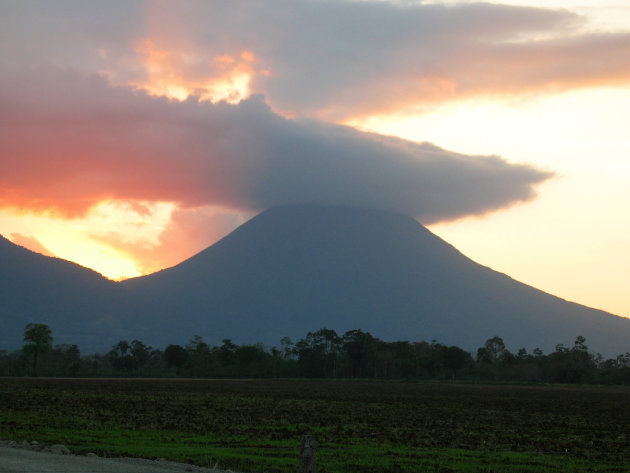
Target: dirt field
[{"x": 360, "y": 426}]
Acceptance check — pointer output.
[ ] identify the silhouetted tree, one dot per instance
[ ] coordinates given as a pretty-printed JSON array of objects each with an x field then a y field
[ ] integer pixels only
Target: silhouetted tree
[
  {"x": 66, "y": 360},
  {"x": 177, "y": 356},
  {"x": 140, "y": 353},
  {"x": 492, "y": 351},
  {"x": 318, "y": 353},
  {"x": 360, "y": 349},
  {"x": 200, "y": 356},
  {"x": 288, "y": 348},
  {"x": 581, "y": 362},
  {"x": 252, "y": 361},
  {"x": 120, "y": 357},
  {"x": 396, "y": 359},
  {"x": 227, "y": 352},
  {"x": 37, "y": 341},
  {"x": 455, "y": 359}
]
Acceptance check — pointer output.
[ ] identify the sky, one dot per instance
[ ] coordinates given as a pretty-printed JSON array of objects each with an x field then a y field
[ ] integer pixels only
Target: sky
[{"x": 134, "y": 134}]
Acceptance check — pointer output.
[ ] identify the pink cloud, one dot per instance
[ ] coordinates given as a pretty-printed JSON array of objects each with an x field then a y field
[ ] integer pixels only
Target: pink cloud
[
  {"x": 30, "y": 243},
  {"x": 189, "y": 232}
]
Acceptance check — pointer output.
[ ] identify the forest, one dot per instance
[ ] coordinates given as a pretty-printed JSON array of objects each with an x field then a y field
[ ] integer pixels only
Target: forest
[{"x": 320, "y": 354}]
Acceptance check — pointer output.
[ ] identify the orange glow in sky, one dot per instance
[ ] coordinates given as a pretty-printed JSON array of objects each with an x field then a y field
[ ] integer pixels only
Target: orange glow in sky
[
  {"x": 89, "y": 240},
  {"x": 226, "y": 77}
]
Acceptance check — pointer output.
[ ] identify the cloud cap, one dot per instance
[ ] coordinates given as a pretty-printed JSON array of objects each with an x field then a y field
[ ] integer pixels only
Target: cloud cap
[{"x": 70, "y": 141}]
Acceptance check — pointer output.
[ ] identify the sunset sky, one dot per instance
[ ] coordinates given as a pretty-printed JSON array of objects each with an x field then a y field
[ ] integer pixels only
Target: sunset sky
[{"x": 134, "y": 134}]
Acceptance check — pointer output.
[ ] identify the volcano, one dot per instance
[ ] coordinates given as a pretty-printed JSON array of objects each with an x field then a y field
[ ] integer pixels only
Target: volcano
[
  {"x": 295, "y": 269},
  {"x": 298, "y": 268}
]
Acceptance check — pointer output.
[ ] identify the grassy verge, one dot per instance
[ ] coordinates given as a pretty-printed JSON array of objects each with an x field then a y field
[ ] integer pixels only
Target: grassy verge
[{"x": 244, "y": 454}]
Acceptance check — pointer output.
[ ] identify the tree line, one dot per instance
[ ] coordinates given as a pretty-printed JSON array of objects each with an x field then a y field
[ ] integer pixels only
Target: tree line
[{"x": 320, "y": 354}]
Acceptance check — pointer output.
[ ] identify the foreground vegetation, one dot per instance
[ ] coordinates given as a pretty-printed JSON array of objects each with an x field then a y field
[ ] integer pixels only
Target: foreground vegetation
[{"x": 256, "y": 425}]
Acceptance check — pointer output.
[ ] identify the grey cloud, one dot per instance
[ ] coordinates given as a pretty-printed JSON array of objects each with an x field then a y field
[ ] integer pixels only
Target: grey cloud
[
  {"x": 312, "y": 161},
  {"x": 70, "y": 141},
  {"x": 331, "y": 59}
]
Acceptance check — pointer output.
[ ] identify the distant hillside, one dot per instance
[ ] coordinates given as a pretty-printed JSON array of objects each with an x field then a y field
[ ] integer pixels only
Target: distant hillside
[
  {"x": 296, "y": 269},
  {"x": 76, "y": 302}
]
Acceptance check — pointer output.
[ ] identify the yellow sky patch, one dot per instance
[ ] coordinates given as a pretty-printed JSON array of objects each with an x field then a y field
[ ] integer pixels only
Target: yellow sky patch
[{"x": 78, "y": 240}]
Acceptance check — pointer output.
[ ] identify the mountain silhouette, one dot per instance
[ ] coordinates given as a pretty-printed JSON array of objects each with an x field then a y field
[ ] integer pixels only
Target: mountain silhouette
[
  {"x": 76, "y": 302},
  {"x": 295, "y": 269}
]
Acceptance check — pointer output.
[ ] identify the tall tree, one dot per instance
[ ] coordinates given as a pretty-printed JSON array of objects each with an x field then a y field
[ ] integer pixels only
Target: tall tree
[
  {"x": 200, "y": 356},
  {"x": 318, "y": 353},
  {"x": 177, "y": 356},
  {"x": 37, "y": 341},
  {"x": 121, "y": 358},
  {"x": 360, "y": 350}
]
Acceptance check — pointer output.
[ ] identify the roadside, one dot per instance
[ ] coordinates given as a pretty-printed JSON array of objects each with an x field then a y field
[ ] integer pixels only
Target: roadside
[{"x": 30, "y": 457}]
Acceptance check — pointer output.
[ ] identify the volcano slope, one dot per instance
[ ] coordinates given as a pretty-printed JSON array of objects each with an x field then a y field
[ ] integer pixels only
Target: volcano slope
[{"x": 295, "y": 269}]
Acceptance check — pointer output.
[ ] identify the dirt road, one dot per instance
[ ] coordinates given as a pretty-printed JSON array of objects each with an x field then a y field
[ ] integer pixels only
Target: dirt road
[{"x": 16, "y": 460}]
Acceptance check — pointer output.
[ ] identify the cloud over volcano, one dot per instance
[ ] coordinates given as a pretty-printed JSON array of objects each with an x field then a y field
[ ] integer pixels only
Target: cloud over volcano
[{"x": 71, "y": 141}]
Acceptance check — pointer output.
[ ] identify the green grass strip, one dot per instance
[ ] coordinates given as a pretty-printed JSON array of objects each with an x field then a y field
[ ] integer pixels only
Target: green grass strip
[{"x": 242, "y": 453}]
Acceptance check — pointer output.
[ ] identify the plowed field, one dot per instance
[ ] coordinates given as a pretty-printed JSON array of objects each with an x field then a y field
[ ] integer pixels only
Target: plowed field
[{"x": 360, "y": 426}]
